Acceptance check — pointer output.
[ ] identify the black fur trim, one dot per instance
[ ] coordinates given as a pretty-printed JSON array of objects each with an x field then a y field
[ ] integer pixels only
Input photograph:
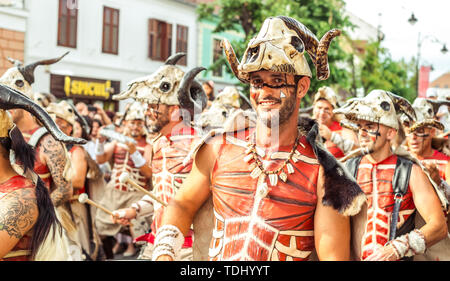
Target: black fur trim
[{"x": 341, "y": 189}]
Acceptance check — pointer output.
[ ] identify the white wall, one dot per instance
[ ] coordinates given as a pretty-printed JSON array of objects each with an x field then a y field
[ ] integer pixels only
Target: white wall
[{"x": 87, "y": 60}]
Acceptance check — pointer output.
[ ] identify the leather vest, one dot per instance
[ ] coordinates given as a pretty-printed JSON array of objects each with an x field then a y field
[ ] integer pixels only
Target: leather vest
[{"x": 279, "y": 226}]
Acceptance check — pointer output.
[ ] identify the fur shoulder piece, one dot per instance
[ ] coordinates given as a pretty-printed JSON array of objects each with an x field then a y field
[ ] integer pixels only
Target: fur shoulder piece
[{"x": 342, "y": 192}]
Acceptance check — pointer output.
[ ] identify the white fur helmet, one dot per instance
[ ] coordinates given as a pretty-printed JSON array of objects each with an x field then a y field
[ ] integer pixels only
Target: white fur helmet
[
  {"x": 62, "y": 110},
  {"x": 328, "y": 94},
  {"x": 279, "y": 47},
  {"x": 378, "y": 106}
]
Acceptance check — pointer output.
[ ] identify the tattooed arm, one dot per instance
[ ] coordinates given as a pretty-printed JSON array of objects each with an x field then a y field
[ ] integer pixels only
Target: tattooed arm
[
  {"x": 18, "y": 214},
  {"x": 55, "y": 158}
]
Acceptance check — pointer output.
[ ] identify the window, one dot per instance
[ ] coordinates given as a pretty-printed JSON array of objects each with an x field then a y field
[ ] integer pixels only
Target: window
[
  {"x": 182, "y": 39},
  {"x": 217, "y": 53},
  {"x": 110, "y": 31},
  {"x": 160, "y": 40},
  {"x": 67, "y": 25}
]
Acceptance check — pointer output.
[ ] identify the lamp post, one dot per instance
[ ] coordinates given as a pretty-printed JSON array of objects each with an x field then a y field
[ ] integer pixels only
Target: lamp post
[{"x": 413, "y": 20}]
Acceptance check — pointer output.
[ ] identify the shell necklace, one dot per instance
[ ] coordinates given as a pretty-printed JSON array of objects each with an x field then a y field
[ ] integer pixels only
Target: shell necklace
[{"x": 259, "y": 172}]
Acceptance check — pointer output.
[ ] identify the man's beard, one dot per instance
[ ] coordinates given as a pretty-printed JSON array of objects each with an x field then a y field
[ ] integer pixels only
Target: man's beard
[
  {"x": 155, "y": 126},
  {"x": 272, "y": 118}
]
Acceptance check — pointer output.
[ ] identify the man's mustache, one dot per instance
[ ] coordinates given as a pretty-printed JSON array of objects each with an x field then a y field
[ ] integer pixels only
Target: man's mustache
[{"x": 269, "y": 98}]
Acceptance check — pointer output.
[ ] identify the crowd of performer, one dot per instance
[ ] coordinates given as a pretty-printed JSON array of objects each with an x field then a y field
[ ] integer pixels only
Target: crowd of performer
[{"x": 184, "y": 173}]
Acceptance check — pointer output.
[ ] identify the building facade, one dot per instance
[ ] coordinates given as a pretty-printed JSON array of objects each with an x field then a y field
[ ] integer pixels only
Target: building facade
[{"x": 111, "y": 43}]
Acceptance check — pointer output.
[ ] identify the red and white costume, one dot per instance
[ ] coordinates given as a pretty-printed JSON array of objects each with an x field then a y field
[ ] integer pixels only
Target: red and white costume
[
  {"x": 375, "y": 179},
  {"x": 279, "y": 226}
]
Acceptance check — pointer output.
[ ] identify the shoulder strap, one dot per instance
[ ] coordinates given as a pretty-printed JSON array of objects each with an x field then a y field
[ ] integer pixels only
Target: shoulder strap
[
  {"x": 400, "y": 184},
  {"x": 352, "y": 165},
  {"x": 36, "y": 136}
]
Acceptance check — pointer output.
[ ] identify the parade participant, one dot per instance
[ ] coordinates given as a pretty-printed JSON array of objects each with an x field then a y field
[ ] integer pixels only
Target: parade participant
[
  {"x": 420, "y": 135},
  {"x": 277, "y": 193},
  {"x": 65, "y": 116},
  {"x": 397, "y": 188},
  {"x": 50, "y": 154},
  {"x": 170, "y": 112},
  {"x": 419, "y": 141},
  {"x": 338, "y": 140},
  {"x": 27, "y": 213},
  {"x": 132, "y": 157}
]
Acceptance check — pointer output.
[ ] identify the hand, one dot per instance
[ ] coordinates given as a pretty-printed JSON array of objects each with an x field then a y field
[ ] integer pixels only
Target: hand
[
  {"x": 131, "y": 147},
  {"x": 434, "y": 172},
  {"x": 99, "y": 108},
  {"x": 324, "y": 132},
  {"x": 164, "y": 258},
  {"x": 124, "y": 216},
  {"x": 386, "y": 253},
  {"x": 101, "y": 138}
]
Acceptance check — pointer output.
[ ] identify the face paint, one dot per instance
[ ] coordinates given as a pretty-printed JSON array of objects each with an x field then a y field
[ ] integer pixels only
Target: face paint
[{"x": 282, "y": 95}]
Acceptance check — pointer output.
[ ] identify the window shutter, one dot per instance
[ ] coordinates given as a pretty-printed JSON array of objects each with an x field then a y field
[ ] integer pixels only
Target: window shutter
[
  {"x": 169, "y": 41},
  {"x": 152, "y": 26}
]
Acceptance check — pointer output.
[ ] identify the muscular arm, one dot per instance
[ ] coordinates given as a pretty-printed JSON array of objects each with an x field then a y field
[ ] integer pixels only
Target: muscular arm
[
  {"x": 55, "y": 158},
  {"x": 79, "y": 166},
  {"x": 109, "y": 151},
  {"x": 18, "y": 214},
  {"x": 331, "y": 229},
  {"x": 191, "y": 196},
  {"x": 146, "y": 170},
  {"x": 429, "y": 207}
]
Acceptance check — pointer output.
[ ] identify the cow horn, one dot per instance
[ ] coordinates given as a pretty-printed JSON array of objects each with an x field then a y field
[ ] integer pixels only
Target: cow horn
[
  {"x": 191, "y": 95},
  {"x": 232, "y": 59},
  {"x": 172, "y": 60},
  {"x": 317, "y": 50},
  {"x": 28, "y": 70},
  {"x": 403, "y": 105},
  {"x": 11, "y": 99}
]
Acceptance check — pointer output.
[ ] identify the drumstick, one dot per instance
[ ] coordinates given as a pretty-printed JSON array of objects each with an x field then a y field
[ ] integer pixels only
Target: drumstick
[
  {"x": 125, "y": 178},
  {"x": 84, "y": 198}
]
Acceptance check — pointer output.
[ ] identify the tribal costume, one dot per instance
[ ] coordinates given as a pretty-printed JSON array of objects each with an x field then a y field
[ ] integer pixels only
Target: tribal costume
[
  {"x": 264, "y": 201},
  {"x": 169, "y": 85}
]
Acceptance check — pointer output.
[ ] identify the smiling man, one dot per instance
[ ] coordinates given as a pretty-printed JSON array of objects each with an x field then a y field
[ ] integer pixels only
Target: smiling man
[{"x": 269, "y": 185}]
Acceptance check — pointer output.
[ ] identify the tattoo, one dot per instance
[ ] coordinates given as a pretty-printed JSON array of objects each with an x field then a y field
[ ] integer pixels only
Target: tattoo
[
  {"x": 56, "y": 162},
  {"x": 18, "y": 212}
]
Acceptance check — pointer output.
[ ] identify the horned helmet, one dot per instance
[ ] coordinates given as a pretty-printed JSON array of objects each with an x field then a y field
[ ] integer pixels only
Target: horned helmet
[
  {"x": 168, "y": 85},
  {"x": 62, "y": 110},
  {"x": 425, "y": 110},
  {"x": 21, "y": 77},
  {"x": 279, "y": 47},
  {"x": 327, "y": 94},
  {"x": 378, "y": 106},
  {"x": 12, "y": 99},
  {"x": 136, "y": 111}
]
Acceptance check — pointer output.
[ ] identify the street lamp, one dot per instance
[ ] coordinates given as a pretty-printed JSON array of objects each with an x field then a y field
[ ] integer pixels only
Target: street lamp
[{"x": 413, "y": 20}]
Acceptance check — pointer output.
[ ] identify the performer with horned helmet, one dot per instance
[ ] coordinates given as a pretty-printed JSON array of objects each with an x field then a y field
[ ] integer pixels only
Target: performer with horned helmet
[
  {"x": 27, "y": 214},
  {"x": 423, "y": 144},
  {"x": 173, "y": 97},
  {"x": 338, "y": 140},
  {"x": 277, "y": 193},
  {"x": 65, "y": 116},
  {"x": 396, "y": 186},
  {"x": 130, "y": 155},
  {"x": 50, "y": 154}
]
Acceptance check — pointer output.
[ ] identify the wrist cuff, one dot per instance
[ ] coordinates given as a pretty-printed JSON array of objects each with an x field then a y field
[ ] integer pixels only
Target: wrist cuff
[{"x": 138, "y": 159}]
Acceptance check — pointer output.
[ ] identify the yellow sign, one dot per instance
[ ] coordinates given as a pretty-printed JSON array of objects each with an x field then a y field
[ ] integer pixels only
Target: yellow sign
[{"x": 86, "y": 88}]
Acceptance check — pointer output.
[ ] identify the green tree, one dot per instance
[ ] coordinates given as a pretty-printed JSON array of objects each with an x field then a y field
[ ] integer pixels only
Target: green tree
[
  {"x": 319, "y": 16},
  {"x": 380, "y": 71}
]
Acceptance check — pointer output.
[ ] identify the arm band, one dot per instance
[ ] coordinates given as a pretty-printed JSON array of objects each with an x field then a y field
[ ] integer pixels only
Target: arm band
[
  {"x": 410, "y": 244},
  {"x": 138, "y": 159},
  {"x": 99, "y": 148},
  {"x": 168, "y": 241},
  {"x": 144, "y": 207}
]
